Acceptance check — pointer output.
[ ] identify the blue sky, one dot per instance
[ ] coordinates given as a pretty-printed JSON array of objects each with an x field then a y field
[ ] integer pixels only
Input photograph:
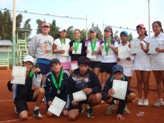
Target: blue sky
[{"x": 124, "y": 13}]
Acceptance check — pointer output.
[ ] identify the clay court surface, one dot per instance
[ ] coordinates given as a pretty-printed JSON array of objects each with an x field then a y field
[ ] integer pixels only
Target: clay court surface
[{"x": 151, "y": 114}]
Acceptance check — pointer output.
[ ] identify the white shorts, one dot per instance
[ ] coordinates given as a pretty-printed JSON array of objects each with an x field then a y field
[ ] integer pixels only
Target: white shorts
[{"x": 128, "y": 71}]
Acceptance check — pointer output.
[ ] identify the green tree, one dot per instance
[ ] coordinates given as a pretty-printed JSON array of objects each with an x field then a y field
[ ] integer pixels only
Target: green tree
[
  {"x": 7, "y": 26},
  {"x": 70, "y": 33},
  {"x": 130, "y": 37},
  {"x": 1, "y": 23},
  {"x": 27, "y": 26},
  {"x": 83, "y": 34},
  {"x": 98, "y": 31},
  {"x": 39, "y": 22},
  {"x": 54, "y": 30}
]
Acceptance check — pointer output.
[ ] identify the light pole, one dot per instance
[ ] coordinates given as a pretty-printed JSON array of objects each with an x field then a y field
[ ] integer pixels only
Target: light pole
[
  {"x": 149, "y": 16},
  {"x": 13, "y": 32}
]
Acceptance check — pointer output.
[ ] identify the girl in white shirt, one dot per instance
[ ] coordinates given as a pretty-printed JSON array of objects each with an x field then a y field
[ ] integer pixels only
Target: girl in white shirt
[
  {"x": 157, "y": 60},
  {"x": 125, "y": 62},
  {"x": 109, "y": 52},
  {"x": 93, "y": 50},
  {"x": 142, "y": 65},
  {"x": 61, "y": 49}
]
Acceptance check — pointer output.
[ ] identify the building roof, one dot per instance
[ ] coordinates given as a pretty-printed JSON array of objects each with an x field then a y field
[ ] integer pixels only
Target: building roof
[{"x": 5, "y": 43}]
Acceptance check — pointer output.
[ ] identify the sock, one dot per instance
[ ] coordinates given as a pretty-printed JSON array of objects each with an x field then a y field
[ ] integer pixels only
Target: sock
[
  {"x": 36, "y": 108},
  {"x": 88, "y": 107}
]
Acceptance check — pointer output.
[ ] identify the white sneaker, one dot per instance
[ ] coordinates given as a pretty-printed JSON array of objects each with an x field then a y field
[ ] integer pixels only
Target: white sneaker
[
  {"x": 145, "y": 102},
  {"x": 140, "y": 101},
  {"x": 159, "y": 102}
]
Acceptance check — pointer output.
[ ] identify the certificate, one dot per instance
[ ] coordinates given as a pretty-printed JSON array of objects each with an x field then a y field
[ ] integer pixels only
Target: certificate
[
  {"x": 104, "y": 53},
  {"x": 152, "y": 46},
  {"x": 120, "y": 89},
  {"x": 123, "y": 52},
  {"x": 89, "y": 54},
  {"x": 57, "y": 106},
  {"x": 37, "y": 80},
  {"x": 66, "y": 49},
  {"x": 135, "y": 46},
  {"x": 19, "y": 74},
  {"x": 78, "y": 50},
  {"x": 79, "y": 96},
  {"x": 74, "y": 65}
]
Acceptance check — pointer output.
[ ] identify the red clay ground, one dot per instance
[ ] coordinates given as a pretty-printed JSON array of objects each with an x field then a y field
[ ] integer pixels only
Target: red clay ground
[{"x": 151, "y": 114}]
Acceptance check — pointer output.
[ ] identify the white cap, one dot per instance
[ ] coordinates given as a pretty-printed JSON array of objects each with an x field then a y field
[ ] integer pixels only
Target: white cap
[
  {"x": 29, "y": 58},
  {"x": 62, "y": 29}
]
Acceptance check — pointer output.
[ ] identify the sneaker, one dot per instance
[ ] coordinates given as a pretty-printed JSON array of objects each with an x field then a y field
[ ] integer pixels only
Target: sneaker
[
  {"x": 159, "y": 102},
  {"x": 37, "y": 114},
  {"x": 110, "y": 108},
  {"x": 145, "y": 102},
  {"x": 89, "y": 113},
  {"x": 81, "y": 110},
  {"x": 140, "y": 101},
  {"x": 16, "y": 111},
  {"x": 126, "y": 110}
]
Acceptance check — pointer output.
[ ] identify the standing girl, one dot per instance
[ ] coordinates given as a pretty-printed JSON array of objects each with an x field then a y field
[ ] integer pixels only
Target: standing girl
[
  {"x": 61, "y": 49},
  {"x": 77, "y": 49},
  {"x": 125, "y": 62},
  {"x": 93, "y": 50},
  {"x": 109, "y": 54},
  {"x": 142, "y": 65},
  {"x": 157, "y": 60}
]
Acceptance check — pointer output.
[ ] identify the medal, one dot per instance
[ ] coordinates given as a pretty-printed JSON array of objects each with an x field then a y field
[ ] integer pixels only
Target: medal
[
  {"x": 92, "y": 53},
  {"x": 57, "y": 85},
  {"x": 106, "y": 53},
  {"x": 75, "y": 51},
  {"x": 76, "y": 45},
  {"x": 93, "y": 45},
  {"x": 107, "y": 45},
  {"x": 58, "y": 91}
]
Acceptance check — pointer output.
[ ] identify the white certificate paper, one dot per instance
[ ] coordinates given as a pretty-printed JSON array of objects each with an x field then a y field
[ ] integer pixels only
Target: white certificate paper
[
  {"x": 66, "y": 49},
  {"x": 89, "y": 54},
  {"x": 78, "y": 50},
  {"x": 123, "y": 52},
  {"x": 19, "y": 74},
  {"x": 57, "y": 106},
  {"x": 152, "y": 46},
  {"x": 79, "y": 96},
  {"x": 135, "y": 46},
  {"x": 120, "y": 89},
  {"x": 74, "y": 66}
]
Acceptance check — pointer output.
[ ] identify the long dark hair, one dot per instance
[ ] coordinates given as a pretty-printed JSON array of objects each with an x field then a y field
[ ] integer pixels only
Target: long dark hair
[{"x": 159, "y": 24}]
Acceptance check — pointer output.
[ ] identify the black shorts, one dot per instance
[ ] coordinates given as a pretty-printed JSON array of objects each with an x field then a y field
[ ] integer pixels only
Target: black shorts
[
  {"x": 107, "y": 67},
  {"x": 45, "y": 68},
  {"x": 21, "y": 104},
  {"x": 95, "y": 64}
]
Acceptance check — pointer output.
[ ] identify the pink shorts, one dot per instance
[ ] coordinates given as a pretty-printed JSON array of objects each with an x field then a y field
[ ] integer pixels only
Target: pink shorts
[{"x": 66, "y": 65}]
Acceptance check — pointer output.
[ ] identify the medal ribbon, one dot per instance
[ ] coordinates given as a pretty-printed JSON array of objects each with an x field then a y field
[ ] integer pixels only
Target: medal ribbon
[
  {"x": 62, "y": 41},
  {"x": 106, "y": 44},
  {"x": 93, "y": 44},
  {"x": 76, "y": 44},
  {"x": 31, "y": 74},
  {"x": 60, "y": 80}
]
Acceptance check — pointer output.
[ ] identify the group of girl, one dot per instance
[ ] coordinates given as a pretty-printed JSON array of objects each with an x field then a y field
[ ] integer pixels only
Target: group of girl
[{"x": 105, "y": 54}]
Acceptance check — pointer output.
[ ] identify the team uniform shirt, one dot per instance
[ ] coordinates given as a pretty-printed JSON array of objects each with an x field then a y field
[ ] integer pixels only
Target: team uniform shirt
[
  {"x": 127, "y": 65},
  {"x": 157, "y": 60},
  {"x": 98, "y": 44},
  {"x": 141, "y": 59},
  {"x": 50, "y": 89},
  {"x": 59, "y": 47},
  {"x": 39, "y": 46},
  {"x": 111, "y": 57},
  {"x": 108, "y": 85}
]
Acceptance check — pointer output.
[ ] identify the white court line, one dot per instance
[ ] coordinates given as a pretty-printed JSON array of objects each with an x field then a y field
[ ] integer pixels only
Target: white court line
[
  {"x": 10, "y": 100},
  {"x": 14, "y": 120}
]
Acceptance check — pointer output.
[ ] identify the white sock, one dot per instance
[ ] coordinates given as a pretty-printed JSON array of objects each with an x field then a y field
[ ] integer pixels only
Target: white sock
[
  {"x": 36, "y": 108},
  {"x": 88, "y": 107}
]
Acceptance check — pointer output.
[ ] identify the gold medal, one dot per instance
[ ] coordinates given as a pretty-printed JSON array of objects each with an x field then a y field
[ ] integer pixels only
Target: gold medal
[
  {"x": 58, "y": 91},
  {"x": 92, "y": 53}
]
